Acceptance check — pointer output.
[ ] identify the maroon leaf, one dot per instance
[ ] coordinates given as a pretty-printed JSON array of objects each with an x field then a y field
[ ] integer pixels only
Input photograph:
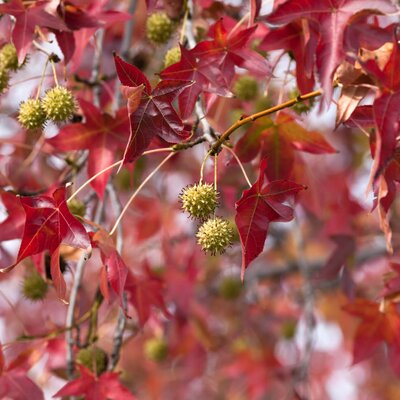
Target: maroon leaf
[
  {"x": 48, "y": 225},
  {"x": 155, "y": 114},
  {"x": 227, "y": 50},
  {"x": 258, "y": 206},
  {"x": 102, "y": 134},
  {"x": 205, "y": 77}
]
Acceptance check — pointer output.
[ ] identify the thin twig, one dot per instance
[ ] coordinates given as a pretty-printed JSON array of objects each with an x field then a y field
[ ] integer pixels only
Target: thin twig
[
  {"x": 96, "y": 66},
  {"x": 137, "y": 191},
  {"x": 225, "y": 136},
  {"x": 208, "y": 132},
  {"x": 124, "y": 50}
]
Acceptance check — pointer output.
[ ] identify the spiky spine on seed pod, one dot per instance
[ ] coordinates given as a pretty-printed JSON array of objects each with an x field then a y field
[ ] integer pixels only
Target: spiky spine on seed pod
[
  {"x": 59, "y": 104},
  {"x": 215, "y": 235},
  {"x": 159, "y": 28},
  {"x": 199, "y": 200},
  {"x": 31, "y": 114},
  {"x": 34, "y": 287}
]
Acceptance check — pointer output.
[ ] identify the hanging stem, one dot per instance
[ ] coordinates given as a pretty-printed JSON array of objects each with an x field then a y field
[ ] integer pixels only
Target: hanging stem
[
  {"x": 42, "y": 79},
  {"x": 53, "y": 66},
  {"x": 137, "y": 191},
  {"x": 203, "y": 165},
  {"x": 239, "y": 163}
]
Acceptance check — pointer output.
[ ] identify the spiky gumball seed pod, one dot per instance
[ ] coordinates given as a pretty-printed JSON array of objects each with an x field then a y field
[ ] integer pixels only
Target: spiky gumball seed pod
[
  {"x": 34, "y": 287},
  {"x": 156, "y": 349},
  {"x": 159, "y": 28},
  {"x": 31, "y": 114},
  {"x": 4, "y": 79},
  {"x": 246, "y": 88},
  {"x": 215, "y": 235},
  {"x": 199, "y": 200},
  {"x": 94, "y": 358},
  {"x": 8, "y": 57},
  {"x": 172, "y": 56},
  {"x": 59, "y": 104}
]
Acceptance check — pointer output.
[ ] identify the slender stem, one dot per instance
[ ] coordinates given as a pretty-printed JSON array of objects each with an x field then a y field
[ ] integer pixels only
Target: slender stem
[
  {"x": 96, "y": 66},
  {"x": 215, "y": 172},
  {"x": 137, "y": 191},
  {"x": 53, "y": 67},
  {"x": 42, "y": 79},
  {"x": 93, "y": 178},
  {"x": 70, "y": 314},
  {"x": 225, "y": 136},
  {"x": 203, "y": 164},
  {"x": 239, "y": 163},
  {"x": 125, "y": 46}
]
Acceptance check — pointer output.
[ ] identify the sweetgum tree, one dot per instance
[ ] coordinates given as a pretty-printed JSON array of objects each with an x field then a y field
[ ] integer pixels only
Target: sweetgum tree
[{"x": 198, "y": 199}]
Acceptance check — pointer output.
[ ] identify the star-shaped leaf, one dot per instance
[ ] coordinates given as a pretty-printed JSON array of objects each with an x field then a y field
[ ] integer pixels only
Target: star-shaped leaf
[
  {"x": 49, "y": 224},
  {"x": 155, "y": 114},
  {"x": 102, "y": 134},
  {"x": 379, "y": 323},
  {"x": 258, "y": 206},
  {"x": 26, "y": 19},
  {"x": 105, "y": 387},
  {"x": 205, "y": 77},
  {"x": 229, "y": 49}
]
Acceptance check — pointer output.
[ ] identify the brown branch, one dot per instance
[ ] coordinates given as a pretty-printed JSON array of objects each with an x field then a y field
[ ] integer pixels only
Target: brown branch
[{"x": 216, "y": 147}]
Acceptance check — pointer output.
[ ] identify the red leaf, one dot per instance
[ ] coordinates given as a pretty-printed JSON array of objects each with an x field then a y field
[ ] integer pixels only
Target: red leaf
[
  {"x": 227, "y": 50},
  {"x": 104, "y": 387},
  {"x": 333, "y": 18},
  {"x": 377, "y": 326},
  {"x": 116, "y": 269},
  {"x": 277, "y": 142},
  {"x": 26, "y": 19},
  {"x": 49, "y": 224},
  {"x": 102, "y": 134},
  {"x": 205, "y": 77},
  {"x": 144, "y": 292},
  {"x": 13, "y": 226},
  {"x": 258, "y": 206},
  {"x": 155, "y": 114}
]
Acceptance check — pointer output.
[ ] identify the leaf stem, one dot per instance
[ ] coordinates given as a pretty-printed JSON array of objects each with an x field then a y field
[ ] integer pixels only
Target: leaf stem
[{"x": 138, "y": 190}]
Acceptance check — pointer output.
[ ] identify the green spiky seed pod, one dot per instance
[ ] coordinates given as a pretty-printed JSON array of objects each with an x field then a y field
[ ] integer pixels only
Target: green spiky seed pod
[
  {"x": 199, "y": 200},
  {"x": 172, "y": 56},
  {"x": 31, "y": 114},
  {"x": 230, "y": 288},
  {"x": 4, "y": 79},
  {"x": 59, "y": 104},
  {"x": 77, "y": 207},
  {"x": 94, "y": 358},
  {"x": 156, "y": 349},
  {"x": 246, "y": 88},
  {"x": 8, "y": 57},
  {"x": 159, "y": 28},
  {"x": 34, "y": 287},
  {"x": 215, "y": 235}
]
